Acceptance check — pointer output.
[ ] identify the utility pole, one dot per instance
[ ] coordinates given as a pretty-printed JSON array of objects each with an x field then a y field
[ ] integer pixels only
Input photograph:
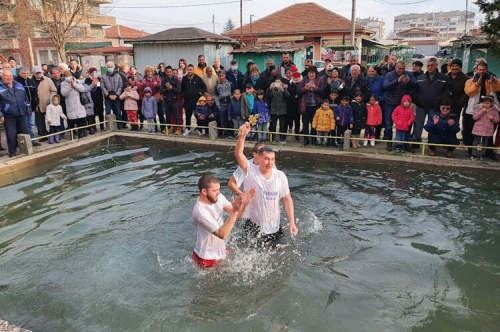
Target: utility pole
[
  {"x": 353, "y": 21},
  {"x": 251, "y": 31},
  {"x": 213, "y": 22},
  {"x": 466, "y": 9},
  {"x": 241, "y": 21}
]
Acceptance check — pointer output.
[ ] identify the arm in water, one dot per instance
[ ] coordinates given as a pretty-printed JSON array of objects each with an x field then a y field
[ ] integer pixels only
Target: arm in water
[
  {"x": 238, "y": 208},
  {"x": 240, "y": 146},
  {"x": 288, "y": 202}
]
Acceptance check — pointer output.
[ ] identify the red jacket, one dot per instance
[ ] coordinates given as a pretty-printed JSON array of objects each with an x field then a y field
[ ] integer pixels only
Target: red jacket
[
  {"x": 374, "y": 115},
  {"x": 403, "y": 117}
]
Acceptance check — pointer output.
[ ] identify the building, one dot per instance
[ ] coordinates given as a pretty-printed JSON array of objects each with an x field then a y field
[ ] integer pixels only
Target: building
[
  {"x": 373, "y": 24},
  {"x": 424, "y": 41},
  {"x": 31, "y": 46},
  {"x": 302, "y": 23},
  {"x": 181, "y": 43},
  {"x": 117, "y": 34},
  {"x": 448, "y": 24},
  {"x": 97, "y": 57}
]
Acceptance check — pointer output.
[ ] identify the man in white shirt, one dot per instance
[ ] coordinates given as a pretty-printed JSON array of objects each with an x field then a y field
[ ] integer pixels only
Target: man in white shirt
[
  {"x": 208, "y": 217},
  {"x": 271, "y": 185}
]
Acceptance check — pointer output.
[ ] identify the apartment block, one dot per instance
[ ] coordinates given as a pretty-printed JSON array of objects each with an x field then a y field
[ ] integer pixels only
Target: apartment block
[{"x": 373, "y": 24}]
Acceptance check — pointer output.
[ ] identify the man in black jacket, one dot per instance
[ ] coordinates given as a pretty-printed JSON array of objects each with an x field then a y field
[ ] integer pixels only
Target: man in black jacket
[
  {"x": 355, "y": 83},
  {"x": 458, "y": 79},
  {"x": 192, "y": 88},
  {"x": 32, "y": 94},
  {"x": 432, "y": 87},
  {"x": 170, "y": 90}
]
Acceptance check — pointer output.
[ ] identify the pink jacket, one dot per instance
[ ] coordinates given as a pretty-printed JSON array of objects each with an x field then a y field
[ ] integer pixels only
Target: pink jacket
[
  {"x": 403, "y": 117},
  {"x": 130, "y": 102},
  {"x": 484, "y": 126}
]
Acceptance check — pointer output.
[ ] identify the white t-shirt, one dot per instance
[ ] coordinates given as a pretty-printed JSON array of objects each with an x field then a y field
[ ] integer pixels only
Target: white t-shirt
[
  {"x": 265, "y": 207},
  {"x": 207, "y": 219}
]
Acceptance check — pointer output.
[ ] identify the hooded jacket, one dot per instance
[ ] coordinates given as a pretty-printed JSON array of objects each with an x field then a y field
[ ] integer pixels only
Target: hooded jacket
[
  {"x": 359, "y": 114},
  {"x": 376, "y": 86},
  {"x": 54, "y": 113},
  {"x": 474, "y": 91},
  {"x": 324, "y": 120},
  {"x": 344, "y": 114},
  {"x": 245, "y": 105},
  {"x": 130, "y": 103},
  {"x": 261, "y": 107},
  {"x": 149, "y": 106},
  {"x": 460, "y": 98},
  {"x": 374, "y": 115},
  {"x": 170, "y": 95},
  {"x": 235, "y": 78},
  {"x": 403, "y": 117},
  {"x": 223, "y": 92},
  {"x": 278, "y": 100},
  {"x": 484, "y": 126},
  {"x": 74, "y": 108}
]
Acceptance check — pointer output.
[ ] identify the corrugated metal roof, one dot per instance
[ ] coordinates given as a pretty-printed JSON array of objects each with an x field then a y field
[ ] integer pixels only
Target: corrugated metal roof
[
  {"x": 178, "y": 35},
  {"x": 105, "y": 50}
]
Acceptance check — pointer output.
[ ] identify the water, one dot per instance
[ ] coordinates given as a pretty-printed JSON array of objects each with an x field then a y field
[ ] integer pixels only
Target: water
[{"x": 102, "y": 242}]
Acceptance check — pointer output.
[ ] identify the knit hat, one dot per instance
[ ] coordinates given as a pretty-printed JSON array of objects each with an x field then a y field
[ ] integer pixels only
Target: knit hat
[
  {"x": 294, "y": 68},
  {"x": 418, "y": 64},
  {"x": 202, "y": 98},
  {"x": 233, "y": 62},
  {"x": 457, "y": 62},
  {"x": 37, "y": 69},
  {"x": 296, "y": 74},
  {"x": 147, "y": 89},
  {"x": 249, "y": 62}
]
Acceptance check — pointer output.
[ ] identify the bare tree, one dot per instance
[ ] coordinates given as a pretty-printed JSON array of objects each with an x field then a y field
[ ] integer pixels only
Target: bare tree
[{"x": 58, "y": 18}]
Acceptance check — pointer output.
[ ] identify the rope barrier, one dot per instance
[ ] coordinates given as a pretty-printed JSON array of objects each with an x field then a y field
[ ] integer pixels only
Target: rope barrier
[{"x": 68, "y": 130}]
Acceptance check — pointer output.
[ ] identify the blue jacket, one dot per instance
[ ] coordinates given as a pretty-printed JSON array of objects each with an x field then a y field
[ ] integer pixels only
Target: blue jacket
[
  {"x": 345, "y": 115},
  {"x": 395, "y": 90},
  {"x": 377, "y": 87},
  {"x": 442, "y": 128},
  {"x": 262, "y": 108},
  {"x": 13, "y": 104},
  {"x": 236, "y": 81},
  {"x": 234, "y": 109},
  {"x": 149, "y": 107},
  {"x": 202, "y": 110}
]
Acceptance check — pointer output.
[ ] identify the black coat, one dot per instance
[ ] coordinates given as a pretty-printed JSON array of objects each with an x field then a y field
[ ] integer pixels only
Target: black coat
[
  {"x": 359, "y": 85},
  {"x": 429, "y": 93},
  {"x": 171, "y": 94},
  {"x": 31, "y": 90},
  {"x": 193, "y": 88},
  {"x": 359, "y": 113},
  {"x": 292, "y": 103},
  {"x": 460, "y": 98}
]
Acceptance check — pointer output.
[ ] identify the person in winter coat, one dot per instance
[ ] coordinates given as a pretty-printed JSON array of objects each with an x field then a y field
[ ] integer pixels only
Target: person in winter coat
[
  {"x": 192, "y": 88},
  {"x": 261, "y": 108},
  {"x": 481, "y": 84},
  {"x": 54, "y": 113},
  {"x": 149, "y": 109},
  {"x": 234, "y": 113},
  {"x": 310, "y": 91},
  {"x": 88, "y": 103},
  {"x": 210, "y": 79},
  {"x": 247, "y": 102},
  {"x": 203, "y": 114},
  {"x": 97, "y": 96},
  {"x": 403, "y": 118},
  {"x": 333, "y": 82},
  {"x": 292, "y": 103},
  {"x": 356, "y": 83},
  {"x": 359, "y": 115},
  {"x": 31, "y": 93},
  {"x": 153, "y": 81},
  {"x": 45, "y": 90},
  {"x": 397, "y": 83},
  {"x": 278, "y": 94},
  {"x": 112, "y": 87},
  {"x": 486, "y": 119},
  {"x": 443, "y": 128},
  {"x": 373, "y": 119},
  {"x": 458, "y": 80},
  {"x": 323, "y": 121},
  {"x": 343, "y": 117},
  {"x": 235, "y": 76},
  {"x": 130, "y": 97},
  {"x": 75, "y": 111},
  {"x": 255, "y": 79},
  {"x": 170, "y": 89},
  {"x": 223, "y": 91},
  {"x": 75, "y": 69}
]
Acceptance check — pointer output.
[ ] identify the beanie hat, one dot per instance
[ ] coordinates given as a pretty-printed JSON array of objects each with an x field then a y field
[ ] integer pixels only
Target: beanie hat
[
  {"x": 296, "y": 74},
  {"x": 294, "y": 68},
  {"x": 457, "y": 62},
  {"x": 147, "y": 89}
]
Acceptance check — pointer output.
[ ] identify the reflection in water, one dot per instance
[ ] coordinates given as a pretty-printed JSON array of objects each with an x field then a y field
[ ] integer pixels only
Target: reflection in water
[{"x": 102, "y": 242}]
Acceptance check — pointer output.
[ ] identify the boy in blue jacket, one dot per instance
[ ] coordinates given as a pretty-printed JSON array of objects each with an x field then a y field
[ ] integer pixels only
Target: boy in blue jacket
[
  {"x": 343, "y": 117},
  {"x": 443, "y": 128}
]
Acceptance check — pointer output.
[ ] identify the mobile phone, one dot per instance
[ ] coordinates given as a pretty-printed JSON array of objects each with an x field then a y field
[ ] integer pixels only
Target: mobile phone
[
  {"x": 271, "y": 68},
  {"x": 95, "y": 74}
]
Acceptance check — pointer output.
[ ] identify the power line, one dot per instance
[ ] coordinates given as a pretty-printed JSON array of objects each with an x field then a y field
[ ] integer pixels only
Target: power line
[{"x": 183, "y": 5}]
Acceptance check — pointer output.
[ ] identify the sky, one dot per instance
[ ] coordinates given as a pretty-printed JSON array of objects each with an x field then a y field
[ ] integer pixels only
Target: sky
[{"x": 199, "y": 13}]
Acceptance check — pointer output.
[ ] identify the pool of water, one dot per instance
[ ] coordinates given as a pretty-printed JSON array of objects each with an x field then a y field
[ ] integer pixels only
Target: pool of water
[{"x": 102, "y": 242}]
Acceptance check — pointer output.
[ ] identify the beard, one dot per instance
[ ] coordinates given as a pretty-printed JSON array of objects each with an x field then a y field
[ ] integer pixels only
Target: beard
[{"x": 212, "y": 200}]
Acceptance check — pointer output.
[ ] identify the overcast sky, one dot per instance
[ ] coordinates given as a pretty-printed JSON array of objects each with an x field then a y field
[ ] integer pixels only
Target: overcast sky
[{"x": 199, "y": 13}]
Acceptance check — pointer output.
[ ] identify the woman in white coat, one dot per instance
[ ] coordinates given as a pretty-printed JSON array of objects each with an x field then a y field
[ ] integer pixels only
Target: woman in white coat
[{"x": 75, "y": 111}]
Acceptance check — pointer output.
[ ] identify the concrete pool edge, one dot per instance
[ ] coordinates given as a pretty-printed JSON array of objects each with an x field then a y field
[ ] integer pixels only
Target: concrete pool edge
[{"x": 13, "y": 170}]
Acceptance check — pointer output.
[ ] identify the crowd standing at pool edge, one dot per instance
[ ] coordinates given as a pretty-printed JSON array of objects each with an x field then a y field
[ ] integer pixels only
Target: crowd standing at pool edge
[{"x": 279, "y": 99}]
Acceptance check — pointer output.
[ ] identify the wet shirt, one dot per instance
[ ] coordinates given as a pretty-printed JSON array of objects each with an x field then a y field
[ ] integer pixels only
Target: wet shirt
[
  {"x": 265, "y": 207},
  {"x": 208, "y": 218}
]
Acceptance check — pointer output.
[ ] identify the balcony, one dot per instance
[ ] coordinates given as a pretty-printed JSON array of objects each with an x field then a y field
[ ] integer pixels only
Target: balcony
[
  {"x": 101, "y": 20},
  {"x": 9, "y": 44}
]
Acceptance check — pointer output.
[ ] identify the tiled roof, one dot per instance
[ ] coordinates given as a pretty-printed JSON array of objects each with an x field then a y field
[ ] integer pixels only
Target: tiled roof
[
  {"x": 417, "y": 30},
  {"x": 123, "y": 32},
  {"x": 298, "y": 18}
]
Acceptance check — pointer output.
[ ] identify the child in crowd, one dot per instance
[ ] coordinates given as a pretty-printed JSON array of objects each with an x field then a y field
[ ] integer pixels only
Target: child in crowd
[
  {"x": 278, "y": 95},
  {"x": 262, "y": 109},
  {"x": 359, "y": 115},
  {"x": 443, "y": 127},
  {"x": 234, "y": 112},
  {"x": 486, "y": 118},
  {"x": 149, "y": 109},
  {"x": 132, "y": 80},
  {"x": 203, "y": 114},
  {"x": 131, "y": 96},
  {"x": 247, "y": 106},
  {"x": 53, "y": 115},
  {"x": 373, "y": 119},
  {"x": 343, "y": 118},
  {"x": 403, "y": 118},
  {"x": 324, "y": 121},
  {"x": 333, "y": 98}
]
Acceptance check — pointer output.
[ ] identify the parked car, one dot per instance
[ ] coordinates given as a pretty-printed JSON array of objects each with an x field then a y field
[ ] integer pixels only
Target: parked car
[
  {"x": 442, "y": 53},
  {"x": 418, "y": 56}
]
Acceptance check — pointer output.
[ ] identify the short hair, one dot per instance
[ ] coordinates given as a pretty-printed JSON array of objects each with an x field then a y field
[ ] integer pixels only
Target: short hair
[
  {"x": 258, "y": 146},
  {"x": 168, "y": 67},
  {"x": 355, "y": 66},
  {"x": 334, "y": 91},
  {"x": 236, "y": 90},
  {"x": 265, "y": 149},
  {"x": 43, "y": 64},
  {"x": 221, "y": 72},
  {"x": 201, "y": 55},
  {"x": 54, "y": 69},
  {"x": 73, "y": 60},
  {"x": 110, "y": 63},
  {"x": 260, "y": 92},
  {"x": 374, "y": 97},
  {"x": 401, "y": 62},
  {"x": 445, "y": 102},
  {"x": 482, "y": 64},
  {"x": 254, "y": 68},
  {"x": 206, "y": 181},
  {"x": 248, "y": 86},
  {"x": 66, "y": 73},
  {"x": 24, "y": 68},
  {"x": 286, "y": 52},
  {"x": 190, "y": 65},
  {"x": 209, "y": 95},
  {"x": 433, "y": 59},
  {"x": 325, "y": 101}
]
